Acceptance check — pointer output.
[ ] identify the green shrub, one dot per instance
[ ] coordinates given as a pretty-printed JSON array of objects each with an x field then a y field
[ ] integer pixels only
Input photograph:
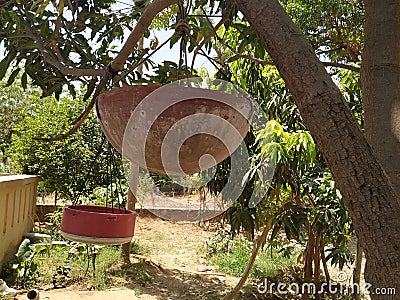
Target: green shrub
[
  {"x": 23, "y": 270},
  {"x": 55, "y": 223}
]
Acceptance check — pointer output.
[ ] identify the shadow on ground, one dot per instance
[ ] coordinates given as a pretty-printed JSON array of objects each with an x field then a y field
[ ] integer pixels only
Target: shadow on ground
[{"x": 147, "y": 277}]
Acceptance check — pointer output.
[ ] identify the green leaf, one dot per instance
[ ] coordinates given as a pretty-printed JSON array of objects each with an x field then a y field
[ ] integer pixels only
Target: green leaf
[
  {"x": 24, "y": 80},
  {"x": 276, "y": 229},
  {"x": 33, "y": 72},
  {"x": 173, "y": 41},
  {"x": 90, "y": 89},
  {"x": 39, "y": 249},
  {"x": 4, "y": 64},
  {"x": 242, "y": 46},
  {"x": 23, "y": 250},
  {"x": 36, "y": 3},
  {"x": 12, "y": 77}
]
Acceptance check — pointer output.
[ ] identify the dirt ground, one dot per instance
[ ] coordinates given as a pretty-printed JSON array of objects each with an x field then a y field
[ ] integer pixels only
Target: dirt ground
[{"x": 174, "y": 265}]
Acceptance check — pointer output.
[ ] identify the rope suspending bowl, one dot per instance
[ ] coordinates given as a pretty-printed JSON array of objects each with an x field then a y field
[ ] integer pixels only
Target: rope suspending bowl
[
  {"x": 101, "y": 225},
  {"x": 182, "y": 28}
]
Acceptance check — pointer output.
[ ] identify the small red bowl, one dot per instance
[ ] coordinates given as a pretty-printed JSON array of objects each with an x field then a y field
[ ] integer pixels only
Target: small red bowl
[{"x": 98, "y": 225}]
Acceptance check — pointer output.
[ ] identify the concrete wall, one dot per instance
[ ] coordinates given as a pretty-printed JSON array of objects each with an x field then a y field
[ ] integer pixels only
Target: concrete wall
[{"x": 17, "y": 210}]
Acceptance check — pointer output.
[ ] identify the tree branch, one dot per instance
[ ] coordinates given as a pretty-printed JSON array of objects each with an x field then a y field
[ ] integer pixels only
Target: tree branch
[
  {"x": 256, "y": 248},
  {"x": 62, "y": 68},
  {"x": 213, "y": 32},
  {"x": 7, "y": 4},
  {"x": 342, "y": 66},
  {"x": 53, "y": 42},
  {"x": 266, "y": 62},
  {"x": 271, "y": 63},
  {"x": 143, "y": 23},
  {"x": 252, "y": 58}
]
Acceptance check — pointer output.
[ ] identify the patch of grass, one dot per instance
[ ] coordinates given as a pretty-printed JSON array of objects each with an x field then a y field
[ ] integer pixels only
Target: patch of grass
[
  {"x": 66, "y": 265},
  {"x": 141, "y": 273},
  {"x": 269, "y": 262},
  {"x": 235, "y": 260},
  {"x": 73, "y": 263},
  {"x": 106, "y": 258},
  {"x": 137, "y": 248}
]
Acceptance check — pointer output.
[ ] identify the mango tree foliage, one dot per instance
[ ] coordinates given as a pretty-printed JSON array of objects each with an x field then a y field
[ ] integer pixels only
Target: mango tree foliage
[
  {"x": 13, "y": 99},
  {"x": 67, "y": 167},
  {"x": 301, "y": 178},
  {"x": 334, "y": 28},
  {"x": 82, "y": 37},
  {"x": 77, "y": 34}
]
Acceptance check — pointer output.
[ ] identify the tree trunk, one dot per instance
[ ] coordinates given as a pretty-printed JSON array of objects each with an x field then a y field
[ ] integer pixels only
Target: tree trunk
[
  {"x": 317, "y": 266},
  {"x": 357, "y": 272},
  {"x": 324, "y": 262},
  {"x": 308, "y": 265},
  {"x": 130, "y": 204},
  {"x": 126, "y": 248},
  {"x": 380, "y": 74},
  {"x": 368, "y": 195}
]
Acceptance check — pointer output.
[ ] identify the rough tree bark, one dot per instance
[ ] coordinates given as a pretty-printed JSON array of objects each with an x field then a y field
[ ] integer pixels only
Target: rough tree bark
[
  {"x": 357, "y": 270},
  {"x": 368, "y": 195},
  {"x": 381, "y": 84}
]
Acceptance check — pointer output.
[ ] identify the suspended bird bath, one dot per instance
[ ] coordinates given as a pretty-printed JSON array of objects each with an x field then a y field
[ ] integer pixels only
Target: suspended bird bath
[
  {"x": 98, "y": 225},
  {"x": 139, "y": 120}
]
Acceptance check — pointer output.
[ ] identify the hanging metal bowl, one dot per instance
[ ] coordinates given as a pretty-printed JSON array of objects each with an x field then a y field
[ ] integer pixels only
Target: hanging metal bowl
[
  {"x": 98, "y": 225},
  {"x": 115, "y": 108}
]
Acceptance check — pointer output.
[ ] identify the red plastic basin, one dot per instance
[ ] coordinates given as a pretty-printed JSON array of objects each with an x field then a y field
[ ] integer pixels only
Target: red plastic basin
[{"x": 98, "y": 224}]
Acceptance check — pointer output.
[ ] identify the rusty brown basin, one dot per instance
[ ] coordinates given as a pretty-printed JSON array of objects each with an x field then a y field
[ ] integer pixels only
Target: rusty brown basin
[{"x": 152, "y": 121}]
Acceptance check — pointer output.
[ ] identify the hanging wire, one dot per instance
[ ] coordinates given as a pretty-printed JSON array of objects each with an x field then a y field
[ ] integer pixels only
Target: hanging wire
[
  {"x": 189, "y": 7},
  {"x": 183, "y": 30},
  {"x": 213, "y": 61},
  {"x": 182, "y": 11},
  {"x": 118, "y": 184},
  {"x": 144, "y": 59},
  {"x": 127, "y": 4},
  {"x": 109, "y": 180},
  {"x": 113, "y": 179},
  {"x": 97, "y": 155}
]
